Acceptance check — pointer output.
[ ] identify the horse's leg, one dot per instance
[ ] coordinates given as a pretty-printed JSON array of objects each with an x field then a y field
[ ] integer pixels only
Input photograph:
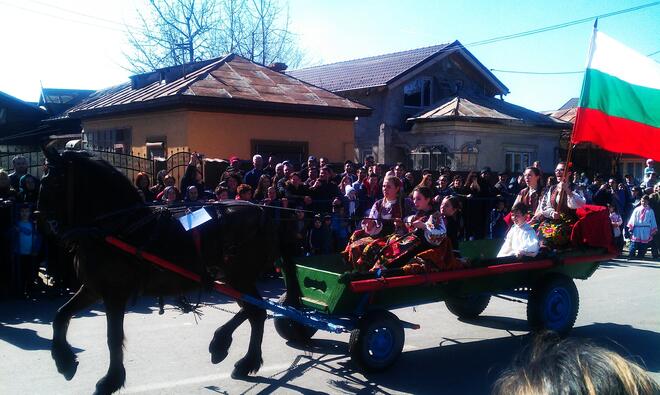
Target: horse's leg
[
  {"x": 64, "y": 357},
  {"x": 115, "y": 306},
  {"x": 252, "y": 360},
  {"x": 219, "y": 346}
]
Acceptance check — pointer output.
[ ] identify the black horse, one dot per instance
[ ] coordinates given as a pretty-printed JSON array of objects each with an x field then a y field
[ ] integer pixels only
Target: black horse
[{"x": 83, "y": 199}]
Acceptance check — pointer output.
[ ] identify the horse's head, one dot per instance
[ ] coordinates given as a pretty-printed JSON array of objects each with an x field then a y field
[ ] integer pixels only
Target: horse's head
[{"x": 51, "y": 209}]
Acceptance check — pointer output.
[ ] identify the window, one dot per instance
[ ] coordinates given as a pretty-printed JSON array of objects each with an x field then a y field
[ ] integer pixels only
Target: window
[
  {"x": 295, "y": 151},
  {"x": 516, "y": 162},
  {"x": 432, "y": 158},
  {"x": 421, "y": 158},
  {"x": 466, "y": 159},
  {"x": 3, "y": 116},
  {"x": 417, "y": 93},
  {"x": 118, "y": 140}
]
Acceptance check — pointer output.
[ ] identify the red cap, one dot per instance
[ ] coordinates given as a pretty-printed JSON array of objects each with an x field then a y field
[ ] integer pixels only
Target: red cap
[{"x": 233, "y": 158}]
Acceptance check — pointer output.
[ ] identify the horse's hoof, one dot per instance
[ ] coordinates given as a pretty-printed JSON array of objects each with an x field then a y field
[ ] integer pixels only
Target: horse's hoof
[
  {"x": 111, "y": 383},
  {"x": 219, "y": 348},
  {"x": 246, "y": 366},
  {"x": 66, "y": 362},
  {"x": 217, "y": 357}
]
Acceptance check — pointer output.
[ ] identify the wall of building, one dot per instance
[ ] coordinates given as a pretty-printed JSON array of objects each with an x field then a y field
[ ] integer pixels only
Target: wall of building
[
  {"x": 493, "y": 141},
  {"x": 446, "y": 77},
  {"x": 153, "y": 126},
  {"x": 223, "y": 134}
]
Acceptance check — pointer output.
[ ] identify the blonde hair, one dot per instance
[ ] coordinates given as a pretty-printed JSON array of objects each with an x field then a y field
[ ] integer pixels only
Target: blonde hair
[{"x": 572, "y": 366}]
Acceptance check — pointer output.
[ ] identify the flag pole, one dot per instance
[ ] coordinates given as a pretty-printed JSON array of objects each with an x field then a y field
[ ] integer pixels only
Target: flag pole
[{"x": 569, "y": 154}]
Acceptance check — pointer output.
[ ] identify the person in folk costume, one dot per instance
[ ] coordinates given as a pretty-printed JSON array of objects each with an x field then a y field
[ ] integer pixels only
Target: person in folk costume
[
  {"x": 642, "y": 227},
  {"x": 384, "y": 220},
  {"x": 425, "y": 246},
  {"x": 532, "y": 193},
  {"x": 557, "y": 210}
]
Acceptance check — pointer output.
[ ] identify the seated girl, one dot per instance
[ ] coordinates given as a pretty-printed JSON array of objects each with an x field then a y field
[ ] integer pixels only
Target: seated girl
[
  {"x": 384, "y": 220},
  {"x": 424, "y": 247},
  {"x": 521, "y": 240}
]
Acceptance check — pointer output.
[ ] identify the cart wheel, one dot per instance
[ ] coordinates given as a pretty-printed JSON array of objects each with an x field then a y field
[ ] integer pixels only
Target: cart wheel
[
  {"x": 291, "y": 330},
  {"x": 377, "y": 342},
  {"x": 467, "y": 307},
  {"x": 553, "y": 304}
]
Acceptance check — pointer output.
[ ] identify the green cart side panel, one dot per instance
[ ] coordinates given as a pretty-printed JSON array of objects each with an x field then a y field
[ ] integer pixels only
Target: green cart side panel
[{"x": 319, "y": 280}]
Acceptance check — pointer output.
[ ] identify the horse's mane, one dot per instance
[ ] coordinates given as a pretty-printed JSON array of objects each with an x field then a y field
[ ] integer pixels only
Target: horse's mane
[{"x": 109, "y": 183}]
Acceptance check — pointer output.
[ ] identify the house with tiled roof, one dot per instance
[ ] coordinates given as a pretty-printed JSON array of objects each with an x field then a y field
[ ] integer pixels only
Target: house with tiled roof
[
  {"x": 222, "y": 107},
  {"x": 437, "y": 106}
]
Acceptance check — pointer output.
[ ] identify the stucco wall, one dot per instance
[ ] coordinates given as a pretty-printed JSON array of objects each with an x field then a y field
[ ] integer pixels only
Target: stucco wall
[
  {"x": 173, "y": 124},
  {"x": 222, "y": 135}
]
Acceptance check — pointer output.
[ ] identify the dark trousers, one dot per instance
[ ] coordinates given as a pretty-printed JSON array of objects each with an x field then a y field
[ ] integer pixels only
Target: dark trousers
[
  {"x": 654, "y": 244},
  {"x": 640, "y": 248}
]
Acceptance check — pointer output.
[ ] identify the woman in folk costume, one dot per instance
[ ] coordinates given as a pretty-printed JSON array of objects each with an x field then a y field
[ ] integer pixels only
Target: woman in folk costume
[
  {"x": 384, "y": 220},
  {"x": 557, "y": 211},
  {"x": 531, "y": 194},
  {"x": 642, "y": 227},
  {"x": 425, "y": 247}
]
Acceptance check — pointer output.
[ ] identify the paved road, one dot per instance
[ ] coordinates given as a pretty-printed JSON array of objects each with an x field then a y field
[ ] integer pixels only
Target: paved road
[{"x": 167, "y": 354}]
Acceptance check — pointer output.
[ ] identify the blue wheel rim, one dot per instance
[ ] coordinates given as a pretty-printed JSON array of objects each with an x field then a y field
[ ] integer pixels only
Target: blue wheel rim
[
  {"x": 557, "y": 309},
  {"x": 380, "y": 343}
]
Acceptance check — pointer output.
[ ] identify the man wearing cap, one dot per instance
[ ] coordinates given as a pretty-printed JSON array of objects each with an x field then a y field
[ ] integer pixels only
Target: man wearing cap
[
  {"x": 234, "y": 166},
  {"x": 252, "y": 176}
]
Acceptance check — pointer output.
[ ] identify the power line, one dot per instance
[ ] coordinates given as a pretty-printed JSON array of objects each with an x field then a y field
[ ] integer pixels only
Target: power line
[
  {"x": 538, "y": 72},
  {"x": 124, "y": 25},
  {"x": 62, "y": 17},
  {"x": 560, "y": 25}
]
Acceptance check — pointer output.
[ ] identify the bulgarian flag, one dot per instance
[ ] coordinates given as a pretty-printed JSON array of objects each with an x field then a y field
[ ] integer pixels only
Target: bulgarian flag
[{"x": 619, "y": 107}]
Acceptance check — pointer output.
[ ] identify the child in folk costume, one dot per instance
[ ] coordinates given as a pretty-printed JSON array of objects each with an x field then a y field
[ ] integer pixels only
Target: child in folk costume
[
  {"x": 642, "y": 227},
  {"x": 521, "y": 239},
  {"x": 425, "y": 246},
  {"x": 384, "y": 220}
]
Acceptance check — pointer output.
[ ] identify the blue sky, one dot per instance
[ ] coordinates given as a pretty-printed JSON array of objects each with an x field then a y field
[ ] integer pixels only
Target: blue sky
[{"x": 42, "y": 43}]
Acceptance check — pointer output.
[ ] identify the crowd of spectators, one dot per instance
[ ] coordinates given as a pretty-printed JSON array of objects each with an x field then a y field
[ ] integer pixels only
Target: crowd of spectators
[{"x": 319, "y": 204}]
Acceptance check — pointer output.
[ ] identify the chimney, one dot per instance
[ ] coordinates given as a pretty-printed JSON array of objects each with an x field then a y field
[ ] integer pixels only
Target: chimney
[{"x": 278, "y": 66}]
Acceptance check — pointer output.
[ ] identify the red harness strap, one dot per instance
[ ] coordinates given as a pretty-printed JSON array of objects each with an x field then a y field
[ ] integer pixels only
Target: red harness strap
[{"x": 156, "y": 260}]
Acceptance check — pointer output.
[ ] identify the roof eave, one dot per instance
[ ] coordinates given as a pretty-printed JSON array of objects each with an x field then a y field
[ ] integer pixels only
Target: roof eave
[
  {"x": 231, "y": 104},
  {"x": 517, "y": 122}
]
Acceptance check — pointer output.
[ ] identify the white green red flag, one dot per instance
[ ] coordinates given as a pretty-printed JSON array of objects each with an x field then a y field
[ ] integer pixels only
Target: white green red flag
[{"x": 619, "y": 107}]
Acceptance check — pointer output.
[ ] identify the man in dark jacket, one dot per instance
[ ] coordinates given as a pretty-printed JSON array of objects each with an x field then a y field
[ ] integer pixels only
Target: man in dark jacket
[
  {"x": 324, "y": 191},
  {"x": 252, "y": 176}
]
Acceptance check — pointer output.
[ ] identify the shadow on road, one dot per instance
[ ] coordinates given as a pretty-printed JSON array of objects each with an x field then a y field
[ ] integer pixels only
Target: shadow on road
[
  {"x": 456, "y": 366},
  {"x": 623, "y": 262}
]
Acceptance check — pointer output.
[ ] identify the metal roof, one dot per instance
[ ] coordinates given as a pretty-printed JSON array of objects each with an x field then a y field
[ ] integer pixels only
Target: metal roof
[
  {"x": 485, "y": 109},
  {"x": 230, "y": 81},
  {"x": 382, "y": 69}
]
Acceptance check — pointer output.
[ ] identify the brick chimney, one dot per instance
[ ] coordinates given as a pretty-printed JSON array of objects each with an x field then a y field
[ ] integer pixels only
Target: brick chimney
[{"x": 278, "y": 66}]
